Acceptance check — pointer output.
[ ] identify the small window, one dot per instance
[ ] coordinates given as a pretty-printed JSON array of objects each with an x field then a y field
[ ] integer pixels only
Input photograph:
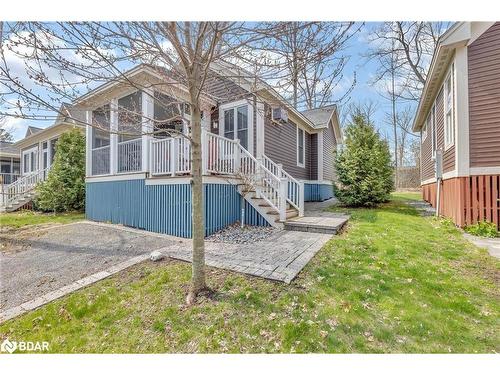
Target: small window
[
  {"x": 300, "y": 147},
  {"x": 449, "y": 109}
]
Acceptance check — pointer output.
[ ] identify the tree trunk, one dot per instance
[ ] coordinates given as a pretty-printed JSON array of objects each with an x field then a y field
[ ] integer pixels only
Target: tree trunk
[{"x": 198, "y": 277}]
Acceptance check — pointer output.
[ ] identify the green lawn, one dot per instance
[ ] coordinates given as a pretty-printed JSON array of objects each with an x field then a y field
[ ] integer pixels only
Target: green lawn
[
  {"x": 394, "y": 282},
  {"x": 23, "y": 218}
]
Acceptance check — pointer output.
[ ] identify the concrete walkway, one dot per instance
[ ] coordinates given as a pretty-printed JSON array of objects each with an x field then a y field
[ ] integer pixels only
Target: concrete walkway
[{"x": 491, "y": 244}]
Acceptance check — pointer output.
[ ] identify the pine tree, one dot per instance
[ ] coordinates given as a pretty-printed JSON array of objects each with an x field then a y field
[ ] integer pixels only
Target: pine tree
[
  {"x": 64, "y": 189},
  {"x": 364, "y": 168}
]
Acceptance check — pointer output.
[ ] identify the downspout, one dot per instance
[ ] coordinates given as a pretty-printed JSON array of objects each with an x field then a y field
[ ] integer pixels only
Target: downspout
[{"x": 439, "y": 178}]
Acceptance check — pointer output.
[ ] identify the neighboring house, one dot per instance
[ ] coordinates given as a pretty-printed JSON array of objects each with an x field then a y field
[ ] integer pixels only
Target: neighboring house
[
  {"x": 249, "y": 132},
  {"x": 459, "y": 117},
  {"x": 35, "y": 154},
  {"x": 9, "y": 163}
]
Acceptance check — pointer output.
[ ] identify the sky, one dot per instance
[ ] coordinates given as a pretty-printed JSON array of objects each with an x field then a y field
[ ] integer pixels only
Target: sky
[{"x": 363, "y": 91}]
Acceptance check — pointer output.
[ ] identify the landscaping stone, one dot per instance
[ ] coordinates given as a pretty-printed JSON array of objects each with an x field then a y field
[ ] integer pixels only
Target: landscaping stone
[
  {"x": 238, "y": 235},
  {"x": 155, "y": 256}
]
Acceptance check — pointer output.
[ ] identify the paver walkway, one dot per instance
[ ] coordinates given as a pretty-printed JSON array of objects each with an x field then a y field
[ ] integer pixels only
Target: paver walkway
[{"x": 279, "y": 257}]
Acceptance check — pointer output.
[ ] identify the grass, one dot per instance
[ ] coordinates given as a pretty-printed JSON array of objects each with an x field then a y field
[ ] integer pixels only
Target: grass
[
  {"x": 394, "y": 282},
  {"x": 24, "y": 218}
]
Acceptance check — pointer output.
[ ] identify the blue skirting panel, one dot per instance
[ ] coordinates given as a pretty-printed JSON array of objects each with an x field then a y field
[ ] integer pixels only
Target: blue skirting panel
[
  {"x": 317, "y": 192},
  {"x": 165, "y": 208}
]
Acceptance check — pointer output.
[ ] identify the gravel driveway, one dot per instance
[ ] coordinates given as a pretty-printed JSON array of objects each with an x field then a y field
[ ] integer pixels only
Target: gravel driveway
[{"x": 36, "y": 262}]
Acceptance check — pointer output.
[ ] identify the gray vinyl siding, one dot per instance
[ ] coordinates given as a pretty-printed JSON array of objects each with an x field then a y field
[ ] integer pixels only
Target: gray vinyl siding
[
  {"x": 329, "y": 147},
  {"x": 280, "y": 145},
  {"x": 314, "y": 157}
]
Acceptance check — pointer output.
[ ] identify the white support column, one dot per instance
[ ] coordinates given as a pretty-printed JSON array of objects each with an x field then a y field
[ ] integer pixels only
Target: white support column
[
  {"x": 320, "y": 155},
  {"x": 283, "y": 194},
  {"x": 461, "y": 79},
  {"x": 237, "y": 156},
  {"x": 113, "y": 141},
  {"x": 260, "y": 131},
  {"x": 88, "y": 144},
  {"x": 147, "y": 127},
  {"x": 301, "y": 198},
  {"x": 279, "y": 170},
  {"x": 173, "y": 154}
]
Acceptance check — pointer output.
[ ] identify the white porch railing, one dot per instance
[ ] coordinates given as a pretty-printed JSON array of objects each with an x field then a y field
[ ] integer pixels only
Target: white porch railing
[
  {"x": 295, "y": 189},
  {"x": 100, "y": 160},
  {"x": 223, "y": 156},
  {"x": 8, "y": 178},
  {"x": 22, "y": 185},
  {"x": 130, "y": 155},
  {"x": 170, "y": 156}
]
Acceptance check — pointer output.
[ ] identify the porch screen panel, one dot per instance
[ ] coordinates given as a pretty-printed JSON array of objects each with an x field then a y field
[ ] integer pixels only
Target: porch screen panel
[
  {"x": 100, "y": 140},
  {"x": 129, "y": 132},
  {"x": 167, "y": 116}
]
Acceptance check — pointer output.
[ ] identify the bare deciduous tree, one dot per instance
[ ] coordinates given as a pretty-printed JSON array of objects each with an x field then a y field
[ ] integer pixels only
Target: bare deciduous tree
[
  {"x": 307, "y": 60},
  {"x": 45, "y": 64}
]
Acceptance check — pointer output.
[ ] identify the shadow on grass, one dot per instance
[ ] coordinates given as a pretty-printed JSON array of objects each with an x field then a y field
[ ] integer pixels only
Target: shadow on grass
[{"x": 370, "y": 214}]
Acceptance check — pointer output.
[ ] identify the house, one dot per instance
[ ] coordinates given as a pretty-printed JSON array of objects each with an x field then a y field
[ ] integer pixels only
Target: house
[
  {"x": 9, "y": 163},
  {"x": 35, "y": 155},
  {"x": 458, "y": 118},
  {"x": 142, "y": 178}
]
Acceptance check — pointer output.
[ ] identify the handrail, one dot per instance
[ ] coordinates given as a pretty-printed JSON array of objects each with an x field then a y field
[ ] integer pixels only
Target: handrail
[
  {"x": 23, "y": 185},
  {"x": 295, "y": 190},
  {"x": 224, "y": 156}
]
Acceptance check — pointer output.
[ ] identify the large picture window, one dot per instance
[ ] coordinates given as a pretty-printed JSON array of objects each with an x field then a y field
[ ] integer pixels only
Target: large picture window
[{"x": 449, "y": 109}]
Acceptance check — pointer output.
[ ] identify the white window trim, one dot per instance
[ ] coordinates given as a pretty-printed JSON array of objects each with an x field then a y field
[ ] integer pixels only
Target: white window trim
[
  {"x": 250, "y": 125},
  {"x": 302, "y": 165},
  {"x": 449, "y": 140},
  {"x": 30, "y": 152}
]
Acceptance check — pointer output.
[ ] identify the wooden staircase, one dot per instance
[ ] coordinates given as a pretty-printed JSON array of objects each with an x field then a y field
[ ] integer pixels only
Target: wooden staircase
[
  {"x": 270, "y": 213},
  {"x": 22, "y": 191}
]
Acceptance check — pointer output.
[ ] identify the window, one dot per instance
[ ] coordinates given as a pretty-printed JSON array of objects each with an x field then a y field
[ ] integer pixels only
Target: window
[
  {"x": 243, "y": 125},
  {"x": 449, "y": 109},
  {"x": 241, "y": 131},
  {"x": 30, "y": 160},
  {"x": 130, "y": 117},
  {"x": 229, "y": 123},
  {"x": 300, "y": 147}
]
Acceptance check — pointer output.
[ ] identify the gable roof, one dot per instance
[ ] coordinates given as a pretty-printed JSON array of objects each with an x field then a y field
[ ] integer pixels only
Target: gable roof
[
  {"x": 321, "y": 116},
  {"x": 8, "y": 148},
  {"x": 32, "y": 130}
]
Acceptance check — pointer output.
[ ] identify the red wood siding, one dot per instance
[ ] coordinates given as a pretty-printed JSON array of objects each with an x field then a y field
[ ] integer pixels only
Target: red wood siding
[
  {"x": 467, "y": 200},
  {"x": 484, "y": 99}
]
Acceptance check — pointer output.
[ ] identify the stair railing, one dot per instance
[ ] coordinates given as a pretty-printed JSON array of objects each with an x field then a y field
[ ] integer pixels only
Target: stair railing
[{"x": 23, "y": 185}]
